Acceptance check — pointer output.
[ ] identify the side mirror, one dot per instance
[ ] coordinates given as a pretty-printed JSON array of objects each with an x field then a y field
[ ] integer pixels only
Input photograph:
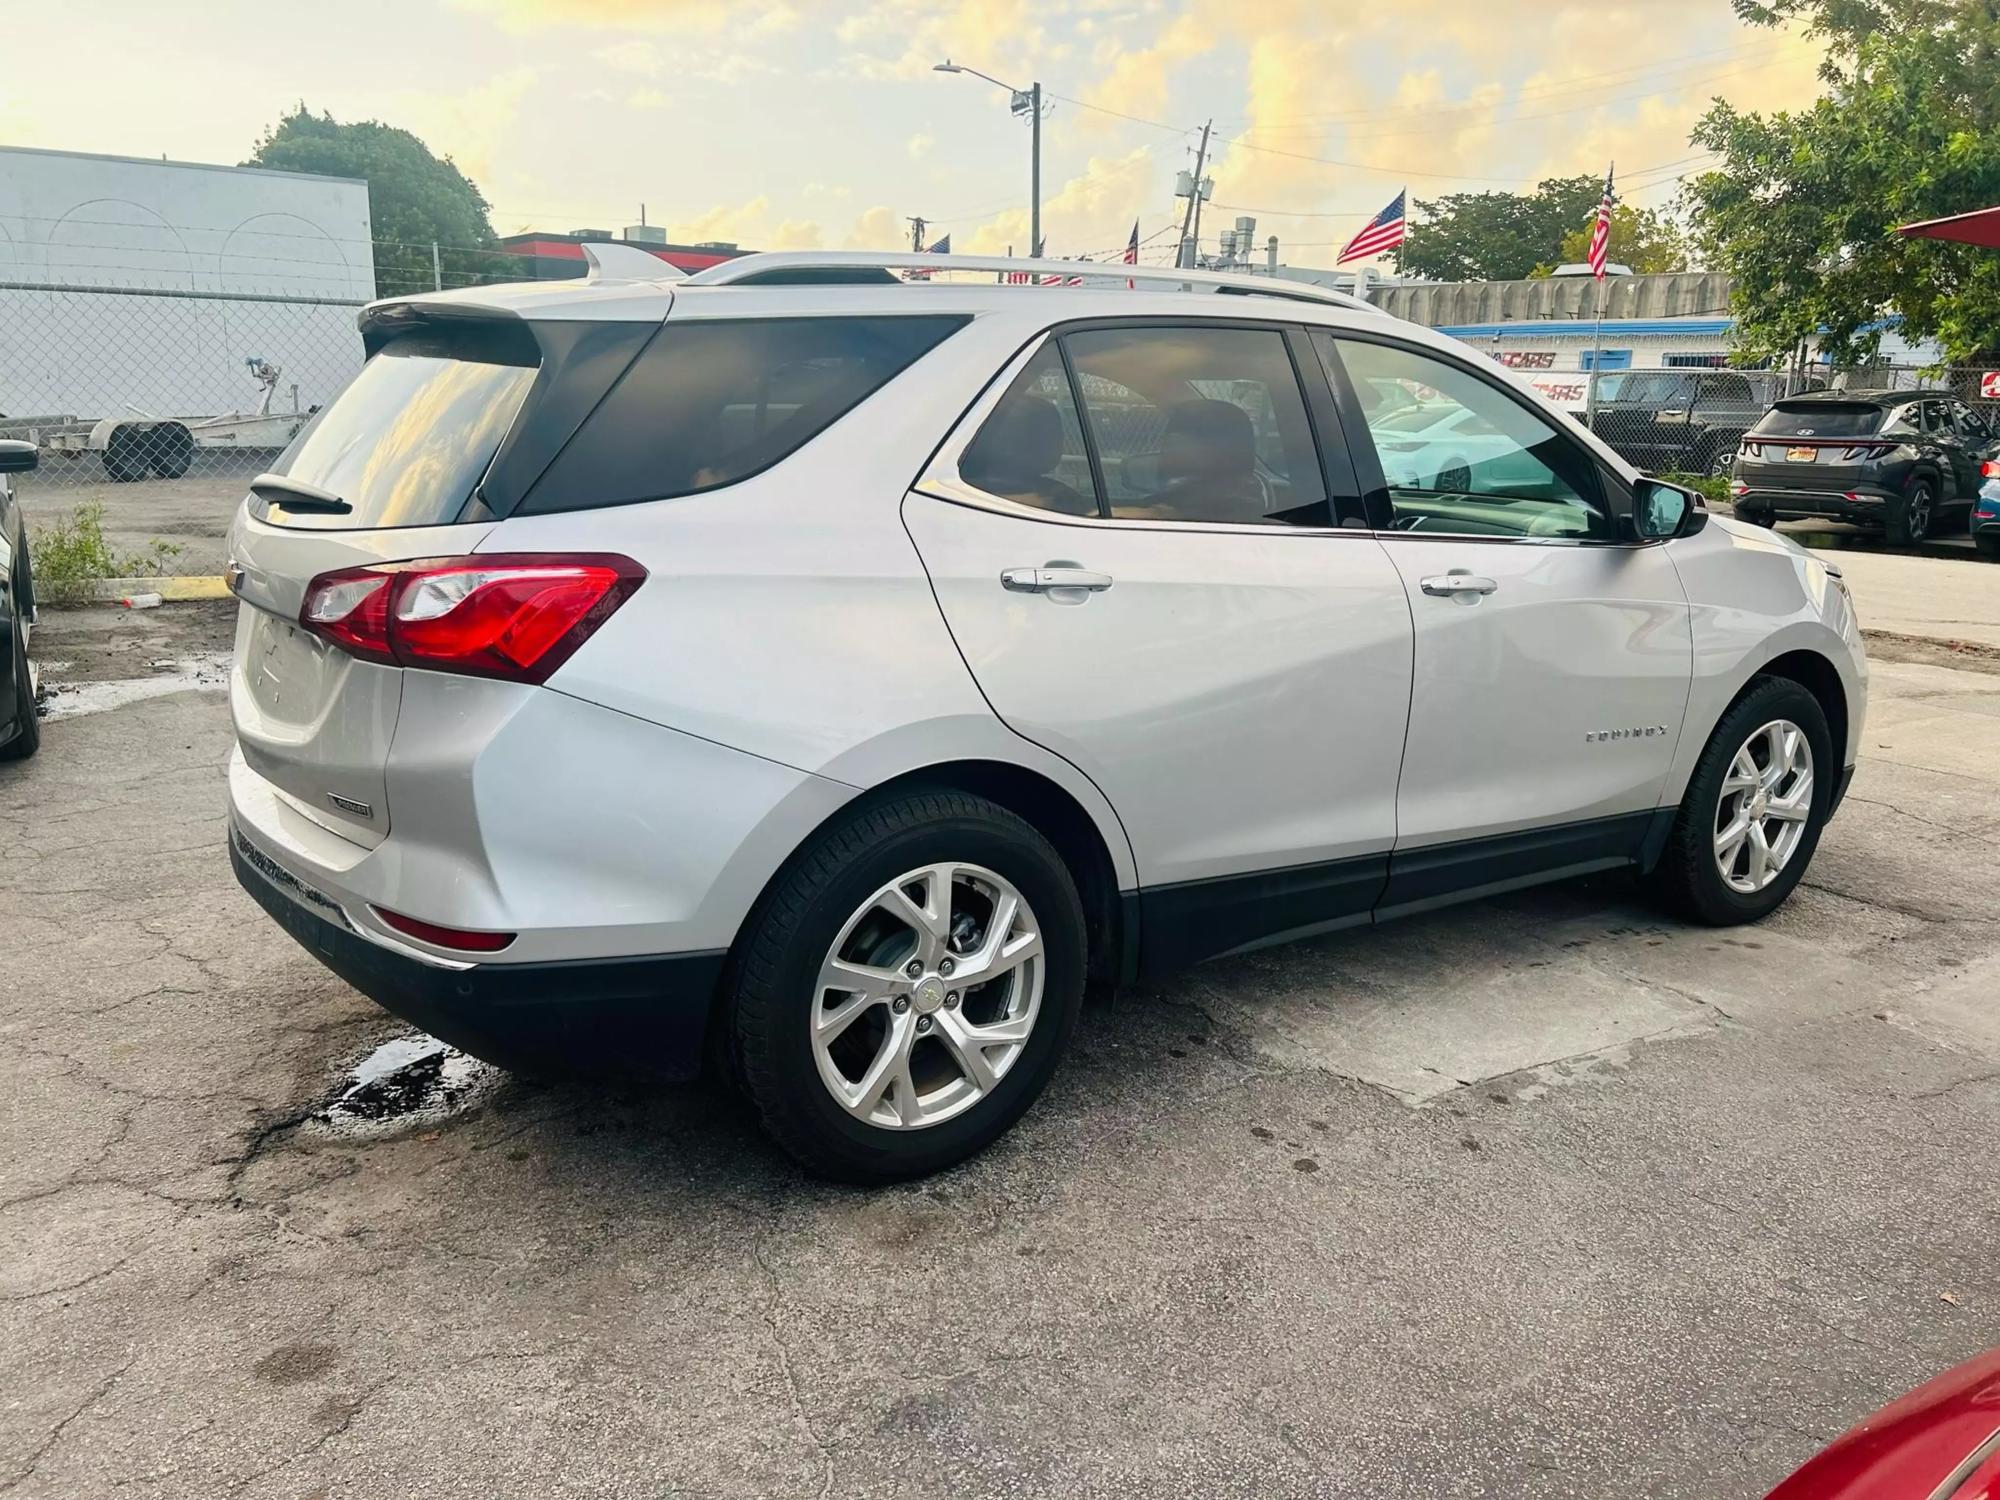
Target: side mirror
[
  {"x": 1663, "y": 510},
  {"x": 17, "y": 457}
]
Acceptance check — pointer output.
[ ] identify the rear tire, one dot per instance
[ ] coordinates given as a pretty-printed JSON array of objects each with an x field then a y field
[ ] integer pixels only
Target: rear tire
[
  {"x": 1754, "y": 517},
  {"x": 171, "y": 450},
  {"x": 1690, "y": 876},
  {"x": 1908, "y": 517},
  {"x": 839, "y": 903}
]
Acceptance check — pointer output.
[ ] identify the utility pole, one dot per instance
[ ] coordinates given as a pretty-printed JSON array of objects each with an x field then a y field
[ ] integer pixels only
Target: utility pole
[
  {"x": 1034, "y": 170},
  {"x": 917, "y": 226},
  {"x": 1191, "y": 218},
  {"x": 437, "y": 271}
]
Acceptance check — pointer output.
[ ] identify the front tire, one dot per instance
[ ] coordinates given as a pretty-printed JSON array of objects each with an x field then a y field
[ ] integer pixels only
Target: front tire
[
  {"x": 1909, "y": 516},
  {"x": 1751, "y": 818},
  {"x": 905, "y": 991}
]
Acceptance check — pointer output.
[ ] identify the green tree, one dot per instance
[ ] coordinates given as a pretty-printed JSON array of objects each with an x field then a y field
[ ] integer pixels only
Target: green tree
[
  {"x": 414, "y": 198},
  {"x": 1802, "y": 204},
  {"x": 1495, "y": 236},
  {"x": 1642, "y": 238}
]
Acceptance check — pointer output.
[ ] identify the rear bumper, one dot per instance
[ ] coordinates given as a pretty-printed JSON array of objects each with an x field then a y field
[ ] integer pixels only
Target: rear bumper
[
  {"x": 647, "y": 1015},
  {"x": 1861, "y": 505}
]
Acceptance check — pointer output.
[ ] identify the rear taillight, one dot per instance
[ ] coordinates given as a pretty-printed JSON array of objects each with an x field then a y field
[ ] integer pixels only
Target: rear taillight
[
  {"x": 1989, "y": 470},
  {"x": 1753, "y": 450},
  {"x": 1860, "y": 452},
  {"x": 1738, "y": 487},
  {"x": 517, "y": 616}
]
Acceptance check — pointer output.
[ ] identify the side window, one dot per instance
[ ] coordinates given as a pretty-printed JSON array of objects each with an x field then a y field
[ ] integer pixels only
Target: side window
[
  {"x": 1462, "y": 456},
  {"x": 1199, "y": 424},
  {"x": 1729, "y": 390},
  {"x": 1936, "y": 423},
  {"x": 1030, "y": 448},
  {"x": 713, "y": 401},
  {"x": 1902, "y": 421},
  {"x": 1972, "y": 424}
]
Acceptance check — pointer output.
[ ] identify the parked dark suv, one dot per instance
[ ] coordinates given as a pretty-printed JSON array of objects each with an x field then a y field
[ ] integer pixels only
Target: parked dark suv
[
  {"x": 1900, "y": 460},
  {"x": 1678, "y": 421}
]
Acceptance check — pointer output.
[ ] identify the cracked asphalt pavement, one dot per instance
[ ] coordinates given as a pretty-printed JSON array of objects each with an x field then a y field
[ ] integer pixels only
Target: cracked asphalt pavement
[{"x": 1545, "y": 1196}]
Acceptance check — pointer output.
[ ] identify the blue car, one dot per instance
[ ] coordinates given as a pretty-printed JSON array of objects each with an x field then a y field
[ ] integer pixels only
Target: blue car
[{"x": 1985, "y": 523}]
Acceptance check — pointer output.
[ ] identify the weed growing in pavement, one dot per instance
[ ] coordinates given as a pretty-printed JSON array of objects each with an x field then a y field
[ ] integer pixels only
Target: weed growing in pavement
[{"x": 73, "y": 553}]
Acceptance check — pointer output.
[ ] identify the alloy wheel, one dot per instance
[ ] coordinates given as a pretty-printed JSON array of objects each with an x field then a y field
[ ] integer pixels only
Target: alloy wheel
[
  {"x": 927, "y": 997},
  {"x": 1764, "y": 808},
  {"x": 1920, "y": 512}
]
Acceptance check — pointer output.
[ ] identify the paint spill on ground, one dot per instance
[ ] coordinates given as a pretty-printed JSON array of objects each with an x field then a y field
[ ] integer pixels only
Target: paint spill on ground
[
  {"x": 409, "y": 1080},
  {"x": 207, "y": 672}
]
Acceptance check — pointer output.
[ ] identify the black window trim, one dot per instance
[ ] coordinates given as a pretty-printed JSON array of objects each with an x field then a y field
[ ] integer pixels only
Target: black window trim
[
  {"x": 1613, "y": 493},
  {"x": 947, "y": 484}
]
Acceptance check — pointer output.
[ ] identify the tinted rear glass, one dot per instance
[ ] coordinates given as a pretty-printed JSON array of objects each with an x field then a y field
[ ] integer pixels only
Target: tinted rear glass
[
  {"x": 710, "y": 402},
  {"x": 409, "y": 439},
  {"x": 1820, "y": 419},
  {"x": 1647, "y": 389}
]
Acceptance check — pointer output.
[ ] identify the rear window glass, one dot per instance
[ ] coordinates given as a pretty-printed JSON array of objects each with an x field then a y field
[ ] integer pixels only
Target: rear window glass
[
  {"x": 711, "y": 402},
  {"x": 1647, "y": 388},
  {"x": 410, "y": 438},
  {"x": 1820, "y": 419}
]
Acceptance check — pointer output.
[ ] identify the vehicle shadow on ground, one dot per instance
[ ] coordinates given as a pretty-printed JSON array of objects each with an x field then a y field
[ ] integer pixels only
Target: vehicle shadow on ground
[{"x": 1361, "y": 1010}]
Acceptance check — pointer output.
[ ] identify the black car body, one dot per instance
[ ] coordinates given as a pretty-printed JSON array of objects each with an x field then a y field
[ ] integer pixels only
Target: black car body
[
  {"x": 1678, "y": 421},
  {"x": 20, "y": 731},
  {"x": 1900, "y": 460}
]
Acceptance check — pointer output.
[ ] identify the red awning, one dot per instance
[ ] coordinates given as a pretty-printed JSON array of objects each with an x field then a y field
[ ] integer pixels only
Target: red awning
[{"x": 1981, "y": 227}]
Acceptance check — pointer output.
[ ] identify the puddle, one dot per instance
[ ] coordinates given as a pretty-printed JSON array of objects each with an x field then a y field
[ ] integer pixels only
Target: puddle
[
  {"x": 207, "y": 672},
  {"x": 408, "y": 1080}
]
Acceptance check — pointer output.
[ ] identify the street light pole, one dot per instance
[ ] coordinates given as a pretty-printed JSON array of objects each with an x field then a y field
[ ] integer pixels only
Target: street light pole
[{"x": 1027, "y": 102}]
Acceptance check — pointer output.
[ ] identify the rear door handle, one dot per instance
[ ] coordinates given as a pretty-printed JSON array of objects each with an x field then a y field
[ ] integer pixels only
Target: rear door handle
[
  {"x": 1041, "y": 580},
  {"x": 1458, "y": 583}
]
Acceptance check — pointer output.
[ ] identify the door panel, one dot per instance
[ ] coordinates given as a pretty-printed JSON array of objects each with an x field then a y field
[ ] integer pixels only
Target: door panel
[
  {"x": 1239, "y": 695},
  {"x": 1556, "y": 697}
]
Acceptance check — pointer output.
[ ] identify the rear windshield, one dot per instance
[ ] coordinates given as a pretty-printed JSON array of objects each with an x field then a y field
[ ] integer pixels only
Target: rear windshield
[
  {"x": 408, "y": 440},
  {"x": 712, "y": 401},
  {"x": 1646, "y": 388},
  {"x": 1820, "y": 419}
]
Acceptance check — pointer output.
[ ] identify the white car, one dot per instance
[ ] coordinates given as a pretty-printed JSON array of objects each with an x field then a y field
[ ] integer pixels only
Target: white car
[{"x": 841, "y": 671}]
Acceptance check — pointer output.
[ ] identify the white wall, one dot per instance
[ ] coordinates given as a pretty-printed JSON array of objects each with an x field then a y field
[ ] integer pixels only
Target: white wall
[{"x": 70, "y": 222}]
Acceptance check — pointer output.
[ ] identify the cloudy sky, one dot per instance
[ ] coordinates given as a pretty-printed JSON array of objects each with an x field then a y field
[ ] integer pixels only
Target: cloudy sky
[{"x": 796, "y": 123}]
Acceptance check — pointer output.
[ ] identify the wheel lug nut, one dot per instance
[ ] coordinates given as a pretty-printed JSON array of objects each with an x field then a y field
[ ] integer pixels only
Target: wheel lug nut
[
  {"x": 946, "y": 966},
  {"x": 923, "y": 1023},
  {"x": 913, "y": 968},
  {"x": 900, "y": 1004},
  {"x": 951, "y": 1000}
]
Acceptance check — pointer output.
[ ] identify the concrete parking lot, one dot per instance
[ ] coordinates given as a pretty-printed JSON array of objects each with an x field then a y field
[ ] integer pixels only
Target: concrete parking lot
[{"x": 1545, "y": 1196}]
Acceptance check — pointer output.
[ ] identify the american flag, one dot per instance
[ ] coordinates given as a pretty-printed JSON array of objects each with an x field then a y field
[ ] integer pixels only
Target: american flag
[
  {"x": 1383, "y": 232},
  {"x": 1600, "y": 233},
  {"x": 1132, "y": 252}
]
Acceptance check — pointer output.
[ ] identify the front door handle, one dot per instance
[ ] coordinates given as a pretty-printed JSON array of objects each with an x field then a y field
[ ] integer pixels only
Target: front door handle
[
  {"x": 1042, "y": 580},
  {"x": 1458, "y": 583}
]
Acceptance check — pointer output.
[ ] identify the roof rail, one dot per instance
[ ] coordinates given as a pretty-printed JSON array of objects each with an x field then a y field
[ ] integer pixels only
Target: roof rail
[{"x": 774, "y": 264}]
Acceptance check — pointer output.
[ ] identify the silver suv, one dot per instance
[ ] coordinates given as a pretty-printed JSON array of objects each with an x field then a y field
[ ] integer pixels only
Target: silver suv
[{"x": 839, "y": 671}]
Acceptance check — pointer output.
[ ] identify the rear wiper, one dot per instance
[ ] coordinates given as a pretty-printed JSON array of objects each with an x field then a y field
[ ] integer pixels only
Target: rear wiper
[{"x": 291, "y": 494}]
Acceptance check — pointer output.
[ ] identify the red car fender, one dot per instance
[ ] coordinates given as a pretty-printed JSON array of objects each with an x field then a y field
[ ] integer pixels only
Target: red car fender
[{"x": 1940, "y": 1442}]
